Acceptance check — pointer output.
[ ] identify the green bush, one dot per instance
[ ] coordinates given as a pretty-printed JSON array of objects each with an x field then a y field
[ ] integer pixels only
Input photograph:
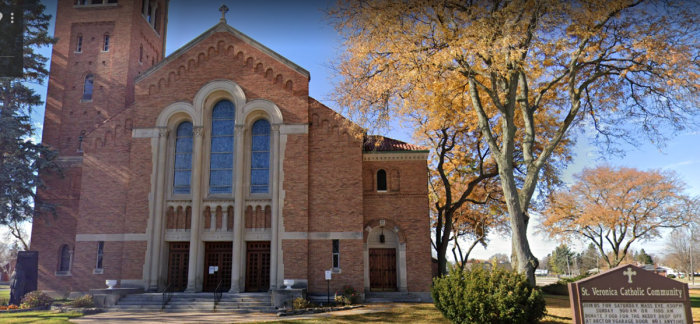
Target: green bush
[
  {"x": 84, "y": 301},
  {"x": 556, "y": 289},
  {"x": 301, "y": 303},
  {"x": 671, "y": 276},
  {"x": 35, "y": 299},
  {"x": 4, "y": 301},
  {"x": 488, "y": 296}
]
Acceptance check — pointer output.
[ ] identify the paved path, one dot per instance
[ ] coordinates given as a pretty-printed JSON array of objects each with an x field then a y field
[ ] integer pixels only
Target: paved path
[{"x": 160, "y": 318}]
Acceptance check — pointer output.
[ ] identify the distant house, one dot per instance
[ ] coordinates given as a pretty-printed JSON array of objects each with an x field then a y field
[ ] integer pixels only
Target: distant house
[{"x": 662, "y": 271}]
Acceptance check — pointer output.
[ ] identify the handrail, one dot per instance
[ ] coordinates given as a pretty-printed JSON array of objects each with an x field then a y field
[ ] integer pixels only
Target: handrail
[
  {"x": 166, "y": 297},
  {"x": 218, "y": 292}
]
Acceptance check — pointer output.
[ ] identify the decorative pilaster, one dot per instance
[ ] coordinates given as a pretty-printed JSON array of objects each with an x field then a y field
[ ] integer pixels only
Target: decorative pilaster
[
  {"x": 157, "y": 216},
  {"x": 274, "y": 241},
  {"x": 238, "y": 206},
  {"x": 193, "y": 270}
]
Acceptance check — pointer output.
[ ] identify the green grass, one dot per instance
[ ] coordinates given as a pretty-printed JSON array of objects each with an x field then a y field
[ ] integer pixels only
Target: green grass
[
  {"x": 4, "y": 294},
  {"x": 43, "y": 317}
]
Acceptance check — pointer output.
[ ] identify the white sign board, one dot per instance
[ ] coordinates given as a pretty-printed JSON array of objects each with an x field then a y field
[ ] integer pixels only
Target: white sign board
[
  {"x": 211, "y": 270},
  {"x": 328, "y": 275},
  {"x": 671, "y": 313}
]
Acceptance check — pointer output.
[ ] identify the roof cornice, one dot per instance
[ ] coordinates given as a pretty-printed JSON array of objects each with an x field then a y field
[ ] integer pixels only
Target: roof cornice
[{"x": 223, "y": 27}]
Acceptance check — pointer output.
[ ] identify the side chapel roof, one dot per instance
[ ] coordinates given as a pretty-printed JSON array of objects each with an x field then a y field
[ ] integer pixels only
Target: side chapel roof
[{"x": 378, "y": 143}]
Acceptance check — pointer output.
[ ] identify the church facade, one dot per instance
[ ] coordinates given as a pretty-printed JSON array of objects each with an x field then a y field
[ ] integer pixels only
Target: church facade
[{"x": 213, "y": 166}]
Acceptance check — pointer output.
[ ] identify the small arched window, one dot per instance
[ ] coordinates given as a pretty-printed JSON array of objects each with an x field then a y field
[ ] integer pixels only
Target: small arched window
[
  {"x": 105, "y": 46},
  {"x": 260, "y": 158},
  {"x": 221, "y": 159},
  {"x": 381, "y": 180},
  {"x": 64, "y": 261},
  {"x": 183, "y": 159},
  {"x": 87, "y": 87}
]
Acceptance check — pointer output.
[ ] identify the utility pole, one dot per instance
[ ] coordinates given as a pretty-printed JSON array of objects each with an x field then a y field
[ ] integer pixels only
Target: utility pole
[{"x": 692, "y": 270}]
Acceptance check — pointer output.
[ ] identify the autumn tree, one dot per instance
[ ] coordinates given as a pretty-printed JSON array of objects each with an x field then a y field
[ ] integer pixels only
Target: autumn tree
[
  {"x": 613, "y": 207},
  {"x": 620, "y": 68}
]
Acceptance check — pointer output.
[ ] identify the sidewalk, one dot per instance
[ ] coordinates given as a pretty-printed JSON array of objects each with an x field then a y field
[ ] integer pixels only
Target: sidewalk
[{"x": 159, "y": 318}]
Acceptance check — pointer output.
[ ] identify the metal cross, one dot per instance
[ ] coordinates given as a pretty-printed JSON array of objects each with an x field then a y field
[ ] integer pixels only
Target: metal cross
[
  {"x": 223, "y": 9},
  {"x": 629, "y": 273}
]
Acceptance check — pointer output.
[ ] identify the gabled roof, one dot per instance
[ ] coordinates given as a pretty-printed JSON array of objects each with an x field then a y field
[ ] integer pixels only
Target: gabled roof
[
  {"x": 378, "y": 143},
  {"x": 222, "y": 26}
]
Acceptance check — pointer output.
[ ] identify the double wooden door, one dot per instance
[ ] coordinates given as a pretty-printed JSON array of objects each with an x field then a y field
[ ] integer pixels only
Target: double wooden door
[
  {"x": 382, "y": 269},
  {"x": 257, "y": 266},
  {"x": 218, "y": 257},
  {"x": 178, "y": 261}
]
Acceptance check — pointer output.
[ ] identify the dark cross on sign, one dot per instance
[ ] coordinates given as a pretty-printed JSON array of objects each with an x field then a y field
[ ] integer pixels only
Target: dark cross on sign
[{"x": 629, "y": 273}]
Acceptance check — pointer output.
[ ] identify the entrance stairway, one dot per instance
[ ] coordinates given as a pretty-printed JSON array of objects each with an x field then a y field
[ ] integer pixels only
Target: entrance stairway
[{"x": 196, "y": 302}]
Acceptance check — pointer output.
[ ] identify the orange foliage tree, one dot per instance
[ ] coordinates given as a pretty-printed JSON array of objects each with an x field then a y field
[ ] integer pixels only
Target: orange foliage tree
[
  {"x": 612, "y": 207},
  {"x": 528, "y": 71}
]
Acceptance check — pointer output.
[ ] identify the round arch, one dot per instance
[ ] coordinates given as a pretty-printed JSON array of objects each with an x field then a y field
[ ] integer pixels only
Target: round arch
[
  {"x": 219, "y": 90},
  {"x": 178, "y": 108}
]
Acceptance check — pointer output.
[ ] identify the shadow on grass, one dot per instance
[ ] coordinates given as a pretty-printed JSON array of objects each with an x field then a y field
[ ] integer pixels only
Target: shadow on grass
[
  {"x": 44, "y": 317},
  {"x": 694, "y": 301}
]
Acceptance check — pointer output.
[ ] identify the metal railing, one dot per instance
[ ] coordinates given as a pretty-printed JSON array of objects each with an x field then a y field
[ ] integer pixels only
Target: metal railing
[
  {"x": 167, "y": 296},
  {"x": 218, "y": 292}
]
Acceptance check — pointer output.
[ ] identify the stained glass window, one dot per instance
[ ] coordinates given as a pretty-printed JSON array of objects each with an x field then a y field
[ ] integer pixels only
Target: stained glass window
[
  {"x": 221, "y": 159},
  {"x": 183, "y": 159},
  {"x": 65, "y": 259},
  {"x": 260, "y": 158}
]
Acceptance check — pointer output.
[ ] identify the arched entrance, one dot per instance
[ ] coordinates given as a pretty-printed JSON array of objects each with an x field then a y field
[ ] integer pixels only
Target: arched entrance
[{"x": 385, "y": 259}]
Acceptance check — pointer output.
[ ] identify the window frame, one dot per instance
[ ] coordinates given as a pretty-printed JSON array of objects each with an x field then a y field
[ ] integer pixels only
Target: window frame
[
  {"x": 172, "y": 154},
  {"x": 335, "y": 256},
  {"x": 92, "y": 87},
  {"x": 207, "y": 175},
  {"x": 99, "y": 257},
  {"x": 105, "y": 42},
  {"x": 386, "y": 183},
  {"x": 248, "y": 156},
  {"x": 79, "y": 44}
]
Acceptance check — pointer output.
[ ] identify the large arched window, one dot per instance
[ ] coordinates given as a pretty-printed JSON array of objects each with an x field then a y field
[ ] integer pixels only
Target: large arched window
[
  {"x": 87, "y": 87},
  {"x": 260, "y": 158},
  {"x": 183, "y": 158},
  {"x": 221, "y": 159},
  {"x": 64, "y": 262}
]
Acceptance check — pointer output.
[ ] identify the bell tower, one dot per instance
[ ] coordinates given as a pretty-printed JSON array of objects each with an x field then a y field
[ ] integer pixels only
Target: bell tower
[{"x": 103, "y": 45}]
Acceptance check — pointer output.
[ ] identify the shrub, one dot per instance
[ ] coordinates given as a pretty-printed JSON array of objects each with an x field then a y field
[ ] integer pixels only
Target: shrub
[
  {"x": 560, "y": 289},
  {"x": 349, "y": 296},
  {"x": 35, "y": 299},
  {"x": 487, "y": 296},
  {"x": 84, "y": 301},
  {"x": 301, "y": 303},
  {"x": 4, "y": 301},
  {"x": 671, "y": 276}
]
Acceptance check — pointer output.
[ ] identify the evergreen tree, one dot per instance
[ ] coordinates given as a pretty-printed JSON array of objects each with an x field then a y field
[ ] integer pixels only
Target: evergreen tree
[
  {"x": 562, "y": 259},
  {"x": 644, "y": 258},
  {"x": 21, "y": 159}
]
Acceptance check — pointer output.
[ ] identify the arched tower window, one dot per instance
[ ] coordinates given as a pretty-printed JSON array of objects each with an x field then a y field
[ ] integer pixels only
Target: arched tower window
[
  {"x": 183, "y": 158},
  {"x": 260, "y": 158},
  {"x": 381, "y": 180},
  {"x": 87, "y": 87},
  {"x": 64, "y": 262},
  {"x": 221, "y": 159},
  {"x": 105, "y": 44},
  {"x": 79, "y": 45}
]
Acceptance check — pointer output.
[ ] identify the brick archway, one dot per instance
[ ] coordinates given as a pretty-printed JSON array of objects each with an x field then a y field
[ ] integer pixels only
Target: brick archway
[
  {"x": 400, "y": 247},
  {"x": 386, "y": 223}
]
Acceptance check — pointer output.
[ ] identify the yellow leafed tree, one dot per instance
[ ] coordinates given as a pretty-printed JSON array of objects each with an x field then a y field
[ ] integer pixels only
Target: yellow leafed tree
[
  {"x": 612, "y": 207},
  {"x": 528, "y": 72}
]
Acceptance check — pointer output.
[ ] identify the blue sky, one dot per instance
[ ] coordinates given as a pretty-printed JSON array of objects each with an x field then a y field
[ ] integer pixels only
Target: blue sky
[{"x": 297, "y": 30}]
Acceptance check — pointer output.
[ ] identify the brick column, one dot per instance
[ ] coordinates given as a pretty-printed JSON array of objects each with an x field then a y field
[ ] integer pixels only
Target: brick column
[
  {"x": 274, "y": 242},
  {"x": 238, "y": 208},
  {"x": 193, "y": 267},
  {"x": 157, "y": 237}
]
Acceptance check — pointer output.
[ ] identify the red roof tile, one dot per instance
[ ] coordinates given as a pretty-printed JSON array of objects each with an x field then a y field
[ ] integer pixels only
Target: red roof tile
[{"x": 377, "y": 143}]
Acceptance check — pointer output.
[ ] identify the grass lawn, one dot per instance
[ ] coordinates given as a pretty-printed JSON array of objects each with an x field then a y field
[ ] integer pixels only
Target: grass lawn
[
  {"x": 558, "y": 310},
  {"x": 4, "y": 294},
  {"x": 43, "y": 317}
]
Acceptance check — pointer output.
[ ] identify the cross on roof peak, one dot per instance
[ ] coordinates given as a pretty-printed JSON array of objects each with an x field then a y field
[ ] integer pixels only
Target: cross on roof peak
[{"x": 223, "y": 9}]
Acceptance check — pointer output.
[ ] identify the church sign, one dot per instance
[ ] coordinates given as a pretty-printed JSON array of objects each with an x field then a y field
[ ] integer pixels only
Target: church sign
[{"x": 630, "y": 295}]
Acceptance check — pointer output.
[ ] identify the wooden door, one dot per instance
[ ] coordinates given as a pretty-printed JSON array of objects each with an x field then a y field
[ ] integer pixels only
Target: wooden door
[
  {"x": 382, "y": 269},
  {"x": 257, "y": 266},
  {"x": 218, "y": 257},
  {"x": 178, "y": 261}
]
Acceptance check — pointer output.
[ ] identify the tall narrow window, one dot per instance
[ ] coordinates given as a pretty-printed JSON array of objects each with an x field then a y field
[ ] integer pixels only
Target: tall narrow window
[
  {"x": 141, "y": 54},
  {"x": 381, "y": 180},
  {"x": 260, "y": 158},
  {"x": 100, "y": 253},
  {"x": 87, "y": 87},
  {"x": 150, "y": 10},
  {"x": 79, "y": 46},
  {"x": 145, "y": 7},
  {"x": 64, "y": 265},
  {"x": 221, "y": 159},
  {"x": 155, "y": 19},
  {"x": 336, "y": 254},
  {"x": 106, "y": 44},
  {"x": 183, "y": 159}
]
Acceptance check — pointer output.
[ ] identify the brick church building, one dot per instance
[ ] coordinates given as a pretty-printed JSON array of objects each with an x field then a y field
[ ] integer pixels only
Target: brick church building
[{"x": 213, "y": 165}]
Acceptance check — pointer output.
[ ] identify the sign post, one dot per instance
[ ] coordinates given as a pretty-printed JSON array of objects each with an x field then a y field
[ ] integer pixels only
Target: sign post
[
  {"x": 630, "y": 294},
  {"x": 328, "y": 280}
]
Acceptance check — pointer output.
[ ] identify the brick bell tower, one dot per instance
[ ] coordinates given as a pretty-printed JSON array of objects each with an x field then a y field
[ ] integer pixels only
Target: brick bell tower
[{"x": 103, "y": 45}]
